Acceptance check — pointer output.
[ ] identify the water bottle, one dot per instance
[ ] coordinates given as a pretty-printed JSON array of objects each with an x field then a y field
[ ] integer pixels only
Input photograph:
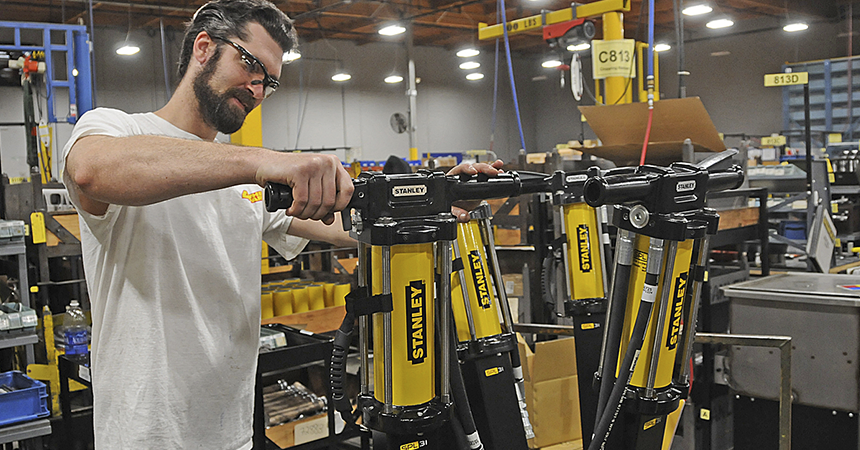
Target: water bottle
[{"x": 76, "y": 332}]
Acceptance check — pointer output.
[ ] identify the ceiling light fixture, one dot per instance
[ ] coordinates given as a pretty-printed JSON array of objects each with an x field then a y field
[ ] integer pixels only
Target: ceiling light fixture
[
  {"x": 468, "y": 53},
  {"x": 392, "y": 30},
  {"x": 393, "y": 79},
  {"x": 291, "y": 56},
  {"x": 550, "y": 63},
  {"x": 469, "y": 65},
  {"x": 719, "y": 23},
  {"x": 697, "y": 10},
  {"x": 662, "y": 47},
  {"x": 796, "y": 26},
  {"x": 127, "y": 48},
  {"x": 579, "y": 47},
  {"x": 341, "y": 76},
  {"x": 475, "y": 76}
]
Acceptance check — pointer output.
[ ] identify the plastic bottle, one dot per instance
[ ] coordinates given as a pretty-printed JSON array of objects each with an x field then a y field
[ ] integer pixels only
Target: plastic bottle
[{"x": 76, "y": 332}]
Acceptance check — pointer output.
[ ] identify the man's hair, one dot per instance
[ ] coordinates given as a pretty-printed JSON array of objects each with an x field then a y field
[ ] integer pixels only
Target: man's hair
[{"x": 230, "y": 18}]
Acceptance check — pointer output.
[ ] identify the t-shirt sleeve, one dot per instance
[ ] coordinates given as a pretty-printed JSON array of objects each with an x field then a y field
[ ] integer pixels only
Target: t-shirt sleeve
[
  {"x": 276, "y": 228},
  {"x": 104, "y": 122}
]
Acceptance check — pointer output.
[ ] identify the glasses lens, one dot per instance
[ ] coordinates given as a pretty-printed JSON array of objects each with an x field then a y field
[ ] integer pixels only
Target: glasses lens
[{"x": 269, "y": 90}]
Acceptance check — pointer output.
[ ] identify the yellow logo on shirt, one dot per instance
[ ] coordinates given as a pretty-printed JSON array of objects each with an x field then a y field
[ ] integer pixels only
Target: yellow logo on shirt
[{"x": 253, "y": 198}]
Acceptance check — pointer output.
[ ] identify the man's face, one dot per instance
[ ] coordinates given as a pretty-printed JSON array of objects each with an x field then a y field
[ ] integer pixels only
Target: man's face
[{"x": 227, "y": 89}]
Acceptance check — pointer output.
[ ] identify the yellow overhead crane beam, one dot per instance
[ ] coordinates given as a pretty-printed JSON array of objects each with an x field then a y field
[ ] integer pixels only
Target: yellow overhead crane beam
[{"x": 592, "y": 9}]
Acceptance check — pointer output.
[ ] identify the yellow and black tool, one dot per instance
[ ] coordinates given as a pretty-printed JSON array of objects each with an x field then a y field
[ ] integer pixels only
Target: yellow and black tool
[
  {"x": 574, "y": 275},
  {"x": 488, "y": 352},
  {"x": 659, "y": 267},
  {"x": 405, "y": 230}
]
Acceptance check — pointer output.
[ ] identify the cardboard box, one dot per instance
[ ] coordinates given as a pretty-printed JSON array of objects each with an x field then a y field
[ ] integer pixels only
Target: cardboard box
[
  {"x": 621, "y": 129},
  {"x": 513, "y": 284},
  {"x": 572, "y": 445},
  {"x": 552, "y": 392}
]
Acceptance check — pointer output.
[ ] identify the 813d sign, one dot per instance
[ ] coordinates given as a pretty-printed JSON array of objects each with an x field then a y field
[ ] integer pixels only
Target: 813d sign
[{"x": 786, "y": 79}]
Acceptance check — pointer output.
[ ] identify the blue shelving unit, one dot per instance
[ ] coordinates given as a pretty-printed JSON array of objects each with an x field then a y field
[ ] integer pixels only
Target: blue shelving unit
[{"x": 76, "y": 45}]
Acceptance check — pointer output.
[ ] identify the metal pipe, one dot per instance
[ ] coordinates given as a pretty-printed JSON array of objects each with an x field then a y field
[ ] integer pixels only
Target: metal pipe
[
  {"x": 412, "y": 93},
  {"x": 388, "y": 406},
  {"x": 560, "y": 231},
  {"x": 493, "y": 258},
  {"x": 92, "y": 53},
  {"x": 692, "y": 313},
  {"x": 605, "y": 246},
  {"x": 444, "y": 307},
  {"x": 471, "y": 321},
  {"x": 669, "y": 255},
  {"x": 363, "y": 322},
  {"x": 164, "y": 59}
]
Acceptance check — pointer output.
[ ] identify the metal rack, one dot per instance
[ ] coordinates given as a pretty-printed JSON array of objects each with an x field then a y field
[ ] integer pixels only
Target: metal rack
[
  {"x": 76, "y": 46},
  {"x": 303, "y": 349},
  {"x": 829, "y": 90},
  {"x": 33, "y": 429}
]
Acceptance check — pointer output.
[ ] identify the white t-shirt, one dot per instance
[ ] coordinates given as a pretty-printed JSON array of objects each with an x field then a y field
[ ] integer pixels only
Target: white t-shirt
[{"x": 175, "y": 294}]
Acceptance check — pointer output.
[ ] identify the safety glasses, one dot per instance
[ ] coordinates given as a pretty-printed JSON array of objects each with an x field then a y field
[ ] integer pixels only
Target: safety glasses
[{"x": 269, "y": 83}]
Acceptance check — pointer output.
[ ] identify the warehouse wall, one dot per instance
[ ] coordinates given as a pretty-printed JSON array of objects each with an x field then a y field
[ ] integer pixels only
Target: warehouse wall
[
  {"x": 731, "y": 86},
  {"x": 453, "y": 114}
]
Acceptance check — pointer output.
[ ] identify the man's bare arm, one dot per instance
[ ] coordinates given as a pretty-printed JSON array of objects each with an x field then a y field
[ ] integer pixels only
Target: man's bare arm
[
  {"x": 141, "y": 170},
  {"x": 318, "y": 231}
]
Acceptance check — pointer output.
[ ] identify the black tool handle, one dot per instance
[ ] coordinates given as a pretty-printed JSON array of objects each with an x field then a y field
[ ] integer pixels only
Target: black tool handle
[
  {"x": 600, "y": 191},
  {"x": 725, "y": 180},
  {"x": 278, "y": 196},
  {"x": 535, "y": 182}
]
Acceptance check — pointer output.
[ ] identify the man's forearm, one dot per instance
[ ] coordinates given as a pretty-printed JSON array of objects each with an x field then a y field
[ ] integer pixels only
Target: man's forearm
[{"x": 141, "y": 170}]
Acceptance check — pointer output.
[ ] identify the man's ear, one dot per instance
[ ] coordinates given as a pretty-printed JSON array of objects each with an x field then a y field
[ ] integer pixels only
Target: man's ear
[{"x": 204, "y": 47}]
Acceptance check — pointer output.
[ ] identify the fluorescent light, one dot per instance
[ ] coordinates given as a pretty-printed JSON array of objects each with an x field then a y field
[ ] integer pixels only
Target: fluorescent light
[
  {"x": 290, "y": 56},
  {"x": 469, "y": 65},
  {"x": 719, "y": 23},
  {"x": 393, "y": 79},
  {"x": 662, "y": 47},
  {"x": 797, "y": 26},
  {"x": 127, "y": 49},
  {"x": 468, "y": 53},
  {"x": 579, "y": 47},
  {"x": 721, "y": 53},
  {"x": 475, "y": 76},
  {"x": 341, "y": 76},
  {"x": 549, "y": 64},
  {"x": 392, "y": 30},
  {"x": 697, "y": 10}
]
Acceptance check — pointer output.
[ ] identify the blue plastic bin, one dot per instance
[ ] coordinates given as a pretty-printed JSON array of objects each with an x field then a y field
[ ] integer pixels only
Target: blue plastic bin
[
  {"x": 793, "y": 229},
  {"x": 27, "y": 401}
]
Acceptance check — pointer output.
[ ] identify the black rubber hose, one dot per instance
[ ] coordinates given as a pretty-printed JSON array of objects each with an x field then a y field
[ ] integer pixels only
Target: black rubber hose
[
  {"x": 458, "y": 390},
  {"x": 613, "y": 336},
  {"x": 337, "y": 373},
  {"x": 459, "y": 433},
  {"x": 604, "y": 426},
  {"x": 547, "y": 279}
]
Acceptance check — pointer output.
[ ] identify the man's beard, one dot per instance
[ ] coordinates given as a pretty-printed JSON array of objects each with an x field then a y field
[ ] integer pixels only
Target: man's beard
[{"x": 217, "y": 110}]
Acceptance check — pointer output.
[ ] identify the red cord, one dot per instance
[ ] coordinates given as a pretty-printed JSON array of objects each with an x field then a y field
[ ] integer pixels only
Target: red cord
[
  {"x": 691, "y": 376},
  {"x": 647, "y": 137}
]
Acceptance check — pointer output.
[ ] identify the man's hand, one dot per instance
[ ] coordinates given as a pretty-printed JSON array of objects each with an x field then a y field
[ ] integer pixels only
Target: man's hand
[
  {"x": 321, "y": 186},
  {"x": 472, "y": 169}
]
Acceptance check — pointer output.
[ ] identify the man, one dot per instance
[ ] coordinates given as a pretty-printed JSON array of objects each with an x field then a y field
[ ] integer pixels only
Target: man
[{"x": 171, "y": 228}]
